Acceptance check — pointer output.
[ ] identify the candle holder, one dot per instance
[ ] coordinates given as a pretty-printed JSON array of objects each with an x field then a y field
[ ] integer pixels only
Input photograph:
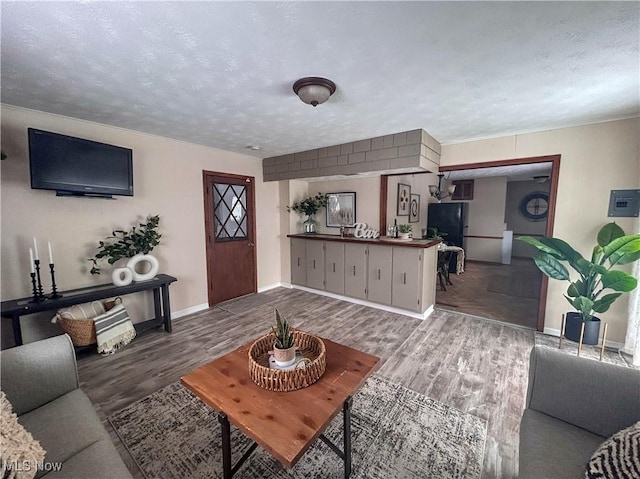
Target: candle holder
[
  {"x": 34, "y": 288},
  {"x": 40, "y": 293},
  {"x": 54, "y": 290}
]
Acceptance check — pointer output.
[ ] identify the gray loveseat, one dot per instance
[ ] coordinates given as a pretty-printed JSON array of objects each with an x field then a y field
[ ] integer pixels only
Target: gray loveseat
[
  {"x": 40, "y": 380},
  {"x": 573, "y": 405}
]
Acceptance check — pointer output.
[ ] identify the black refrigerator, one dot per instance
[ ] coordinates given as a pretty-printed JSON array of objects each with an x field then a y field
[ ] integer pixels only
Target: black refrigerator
[{"x": 449, "y": 218}]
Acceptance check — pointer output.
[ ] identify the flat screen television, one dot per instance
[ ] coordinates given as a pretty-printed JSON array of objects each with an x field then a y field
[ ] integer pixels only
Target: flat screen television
[{"x": 77, "y": 167}]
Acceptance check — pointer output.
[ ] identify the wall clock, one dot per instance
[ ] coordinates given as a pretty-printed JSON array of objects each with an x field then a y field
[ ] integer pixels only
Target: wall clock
[{"x": 534, "y": 206}]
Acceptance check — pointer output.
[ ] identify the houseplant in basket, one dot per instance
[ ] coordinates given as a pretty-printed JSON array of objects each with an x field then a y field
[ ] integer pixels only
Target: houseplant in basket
[
  {"x": 309, "y": 206},
  {"x": 284, "y": 348},
  {"x": 588, "y": 293}
]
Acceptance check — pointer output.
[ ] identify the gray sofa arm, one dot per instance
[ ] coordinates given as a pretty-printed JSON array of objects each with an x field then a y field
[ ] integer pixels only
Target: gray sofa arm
[
  {"x": 38, "y": 372},
  {"x": 599, "y": 397}
]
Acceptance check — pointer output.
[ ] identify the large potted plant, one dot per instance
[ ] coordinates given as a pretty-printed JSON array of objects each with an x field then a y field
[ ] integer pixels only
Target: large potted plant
[
  {"x": 309, "y": 206},
  {"x": 597, "y": 284}
]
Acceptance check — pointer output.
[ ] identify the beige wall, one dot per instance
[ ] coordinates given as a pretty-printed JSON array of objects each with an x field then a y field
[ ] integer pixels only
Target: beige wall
[
  {"x": 516, "y": 190},
  {"x": 367, "y": 201},
  {"x": 167, "y": 181},
  {"x": 595, "y": 159},
  {"x": 420, "y": 186}
]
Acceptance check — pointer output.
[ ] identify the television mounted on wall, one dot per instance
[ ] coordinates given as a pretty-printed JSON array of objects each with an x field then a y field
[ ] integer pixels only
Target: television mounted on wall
[{"x": 78, "y": 167}]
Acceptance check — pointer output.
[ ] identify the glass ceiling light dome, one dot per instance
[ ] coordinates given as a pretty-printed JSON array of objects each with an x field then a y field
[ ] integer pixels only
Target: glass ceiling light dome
[{"x": 314, "y": 90}]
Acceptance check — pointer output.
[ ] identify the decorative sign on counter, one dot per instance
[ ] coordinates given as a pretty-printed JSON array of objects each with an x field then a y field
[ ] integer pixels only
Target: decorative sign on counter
[{"x": 362, "y": 231}]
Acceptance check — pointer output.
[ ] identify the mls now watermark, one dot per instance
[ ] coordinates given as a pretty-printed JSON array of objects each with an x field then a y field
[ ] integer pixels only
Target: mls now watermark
[{"x": 29, "y": 466}]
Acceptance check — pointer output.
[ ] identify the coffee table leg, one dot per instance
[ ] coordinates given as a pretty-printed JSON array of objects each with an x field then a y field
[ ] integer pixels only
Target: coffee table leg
[
  {"x": 346, "y": 416},
  {"x": 226, "y": 446}
]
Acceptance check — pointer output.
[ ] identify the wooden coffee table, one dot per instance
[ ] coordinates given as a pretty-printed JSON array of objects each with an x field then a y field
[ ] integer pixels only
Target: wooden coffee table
[{"x": 284, "y": 423}]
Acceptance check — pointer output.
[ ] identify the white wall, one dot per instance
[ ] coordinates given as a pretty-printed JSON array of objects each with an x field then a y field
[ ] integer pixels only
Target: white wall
[
  {"x": 594, "y": 160},
  {"x": 516, "y": 190},
  {"x": 167, "y": 181}
]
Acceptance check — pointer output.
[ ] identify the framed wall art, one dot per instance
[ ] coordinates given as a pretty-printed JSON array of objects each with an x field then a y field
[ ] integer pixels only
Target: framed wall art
[
  {"x": 414, "y": 209},
  {"x": 341, "y": 209},
  {"x": 404, "y": 197}
]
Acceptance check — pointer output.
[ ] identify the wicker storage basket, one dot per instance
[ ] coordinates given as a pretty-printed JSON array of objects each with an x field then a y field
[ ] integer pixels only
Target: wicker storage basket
[
  {"x": 81, "y": 331},
  {"x": 303, "y": 375}
]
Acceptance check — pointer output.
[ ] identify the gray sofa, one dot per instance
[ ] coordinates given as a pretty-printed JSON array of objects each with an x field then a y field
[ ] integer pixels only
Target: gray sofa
[
  {"x": 573, "y": 405},
  {"x": 40, "y": 380}
]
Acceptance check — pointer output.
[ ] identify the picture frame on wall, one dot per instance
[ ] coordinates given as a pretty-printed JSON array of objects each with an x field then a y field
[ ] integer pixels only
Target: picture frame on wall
[
  {"x": 414, "y": 209},
  {"x": 341, "y": 209},
  {"x": 404, "y": 198}
]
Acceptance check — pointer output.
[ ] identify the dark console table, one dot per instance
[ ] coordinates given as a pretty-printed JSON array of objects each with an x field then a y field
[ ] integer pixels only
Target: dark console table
[{"x": 15, "y": 308}]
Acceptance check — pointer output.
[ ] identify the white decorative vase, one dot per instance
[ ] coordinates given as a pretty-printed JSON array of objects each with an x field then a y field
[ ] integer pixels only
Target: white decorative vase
[
  {"x": 121, "y": 276},
  {"x": 135, "y": 261}
]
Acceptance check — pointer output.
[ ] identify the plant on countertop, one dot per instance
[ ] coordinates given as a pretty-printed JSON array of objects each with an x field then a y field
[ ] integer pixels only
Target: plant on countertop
[
  {"x": 595, "y": 276},
  {"x": 404, "y": 228},
  {"x": 282, "y": 332},
  {"x": 309, "y": 206},
  {"x": 434, "y": 234},
  {"x": 126, "y": 244}
]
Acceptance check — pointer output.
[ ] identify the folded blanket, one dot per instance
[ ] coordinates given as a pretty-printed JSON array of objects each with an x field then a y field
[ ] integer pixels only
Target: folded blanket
[{"x": 113, "y": 330}]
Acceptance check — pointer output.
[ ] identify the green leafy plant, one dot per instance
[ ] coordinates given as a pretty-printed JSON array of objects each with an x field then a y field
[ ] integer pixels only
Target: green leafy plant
[
  {"x": 586, "y": 294},
  {"x": 126, "y": 244},
  {"x": 434, "y": 234},
  {"x": 309, "y": 206},
  {"x": 404, "y": 228},
  {"x": 282, "y": 332}
]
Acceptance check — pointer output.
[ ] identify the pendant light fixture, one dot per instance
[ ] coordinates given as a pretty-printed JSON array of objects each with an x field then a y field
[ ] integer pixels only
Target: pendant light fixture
[
  {"x": 436, "y": 191},
  {"x": 314, "y": 90}
]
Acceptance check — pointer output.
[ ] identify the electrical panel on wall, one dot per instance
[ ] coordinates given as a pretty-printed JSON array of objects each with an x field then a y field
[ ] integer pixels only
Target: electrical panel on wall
[{"x": 624, "y": 203}]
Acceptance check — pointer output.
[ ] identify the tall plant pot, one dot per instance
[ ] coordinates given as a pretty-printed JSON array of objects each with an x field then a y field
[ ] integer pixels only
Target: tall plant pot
[{"x": 573, "y": 325}]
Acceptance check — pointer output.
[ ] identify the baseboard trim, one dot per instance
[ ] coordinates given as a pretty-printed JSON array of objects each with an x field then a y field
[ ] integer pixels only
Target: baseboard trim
[
  {"x": 188, "y": 311},
  {"x": 610, "y": 344},
  {"x": 268, "y": 287},
  {"x": 370, "y": 304}
]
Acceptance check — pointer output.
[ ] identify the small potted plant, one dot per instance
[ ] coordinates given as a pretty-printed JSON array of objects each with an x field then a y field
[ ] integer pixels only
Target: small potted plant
[
  {"x": 309, "y": 206},
  {"x": 586, "y": 293},
  {"x": 404, "y": 231},
  {"x": 284, "y": 348}
]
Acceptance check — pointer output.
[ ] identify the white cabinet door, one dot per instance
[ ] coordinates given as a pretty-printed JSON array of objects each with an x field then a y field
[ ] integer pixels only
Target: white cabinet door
[
  {"x": 298, "y": 261},
  {"x": 406, "y": 284},
  {"x": 379, "y": 274},
  {"x": 315, "y": 264},
  {"x": 334, "y": 267},
  {"x": 355, "y": 270}
]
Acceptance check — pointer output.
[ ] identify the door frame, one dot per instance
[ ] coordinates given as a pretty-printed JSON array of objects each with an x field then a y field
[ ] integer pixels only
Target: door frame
[
  {"x": 551, "y": 214},
  {"x": 210, "y": 227}
]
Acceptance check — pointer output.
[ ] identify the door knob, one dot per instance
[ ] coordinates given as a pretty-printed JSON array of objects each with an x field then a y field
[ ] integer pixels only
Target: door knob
[{"x": 251, "y": 244}]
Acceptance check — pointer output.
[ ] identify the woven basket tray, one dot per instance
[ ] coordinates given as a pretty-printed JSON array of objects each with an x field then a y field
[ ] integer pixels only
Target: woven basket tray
[{"x": 312, "y": 349}]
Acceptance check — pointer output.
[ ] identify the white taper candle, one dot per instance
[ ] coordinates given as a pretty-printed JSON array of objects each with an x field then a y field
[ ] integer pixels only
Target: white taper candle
[
  {"x": 33, "y": 270},
  {"x": 50, "y": 252},
  {"x": 35, "y": 249}
]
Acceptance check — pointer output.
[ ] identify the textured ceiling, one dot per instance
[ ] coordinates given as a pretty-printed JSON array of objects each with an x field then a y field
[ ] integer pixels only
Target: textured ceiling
[{"x": 220, "y": 73}]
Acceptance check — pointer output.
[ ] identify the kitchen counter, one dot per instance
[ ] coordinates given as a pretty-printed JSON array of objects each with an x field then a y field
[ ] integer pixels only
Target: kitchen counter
[{"x": 383, "y": 240}]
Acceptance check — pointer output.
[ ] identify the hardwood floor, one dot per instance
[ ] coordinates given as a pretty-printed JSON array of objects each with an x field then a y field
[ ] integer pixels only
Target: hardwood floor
[
  {"x": 477, "y": 366},
  {"x": 507, "y": 293}
]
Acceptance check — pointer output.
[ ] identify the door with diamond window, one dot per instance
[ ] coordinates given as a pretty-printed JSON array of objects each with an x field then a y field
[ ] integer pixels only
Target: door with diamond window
[{"x": 230, "y": 235}]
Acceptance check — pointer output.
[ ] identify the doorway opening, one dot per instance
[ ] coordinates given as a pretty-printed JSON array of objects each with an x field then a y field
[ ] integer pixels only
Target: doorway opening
[{"x": 512, "y": 289}]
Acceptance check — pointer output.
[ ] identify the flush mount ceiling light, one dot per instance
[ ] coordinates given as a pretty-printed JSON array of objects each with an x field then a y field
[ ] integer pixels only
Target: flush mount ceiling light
[
  {"x": 314, "y": 90},
  {"x": 541, "y": 178}
]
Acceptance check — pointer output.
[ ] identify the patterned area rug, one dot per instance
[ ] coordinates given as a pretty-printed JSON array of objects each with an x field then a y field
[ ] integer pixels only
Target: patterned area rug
[
  {"x": 611, "y": 355},
  {"x": 396, "y": 433}
]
